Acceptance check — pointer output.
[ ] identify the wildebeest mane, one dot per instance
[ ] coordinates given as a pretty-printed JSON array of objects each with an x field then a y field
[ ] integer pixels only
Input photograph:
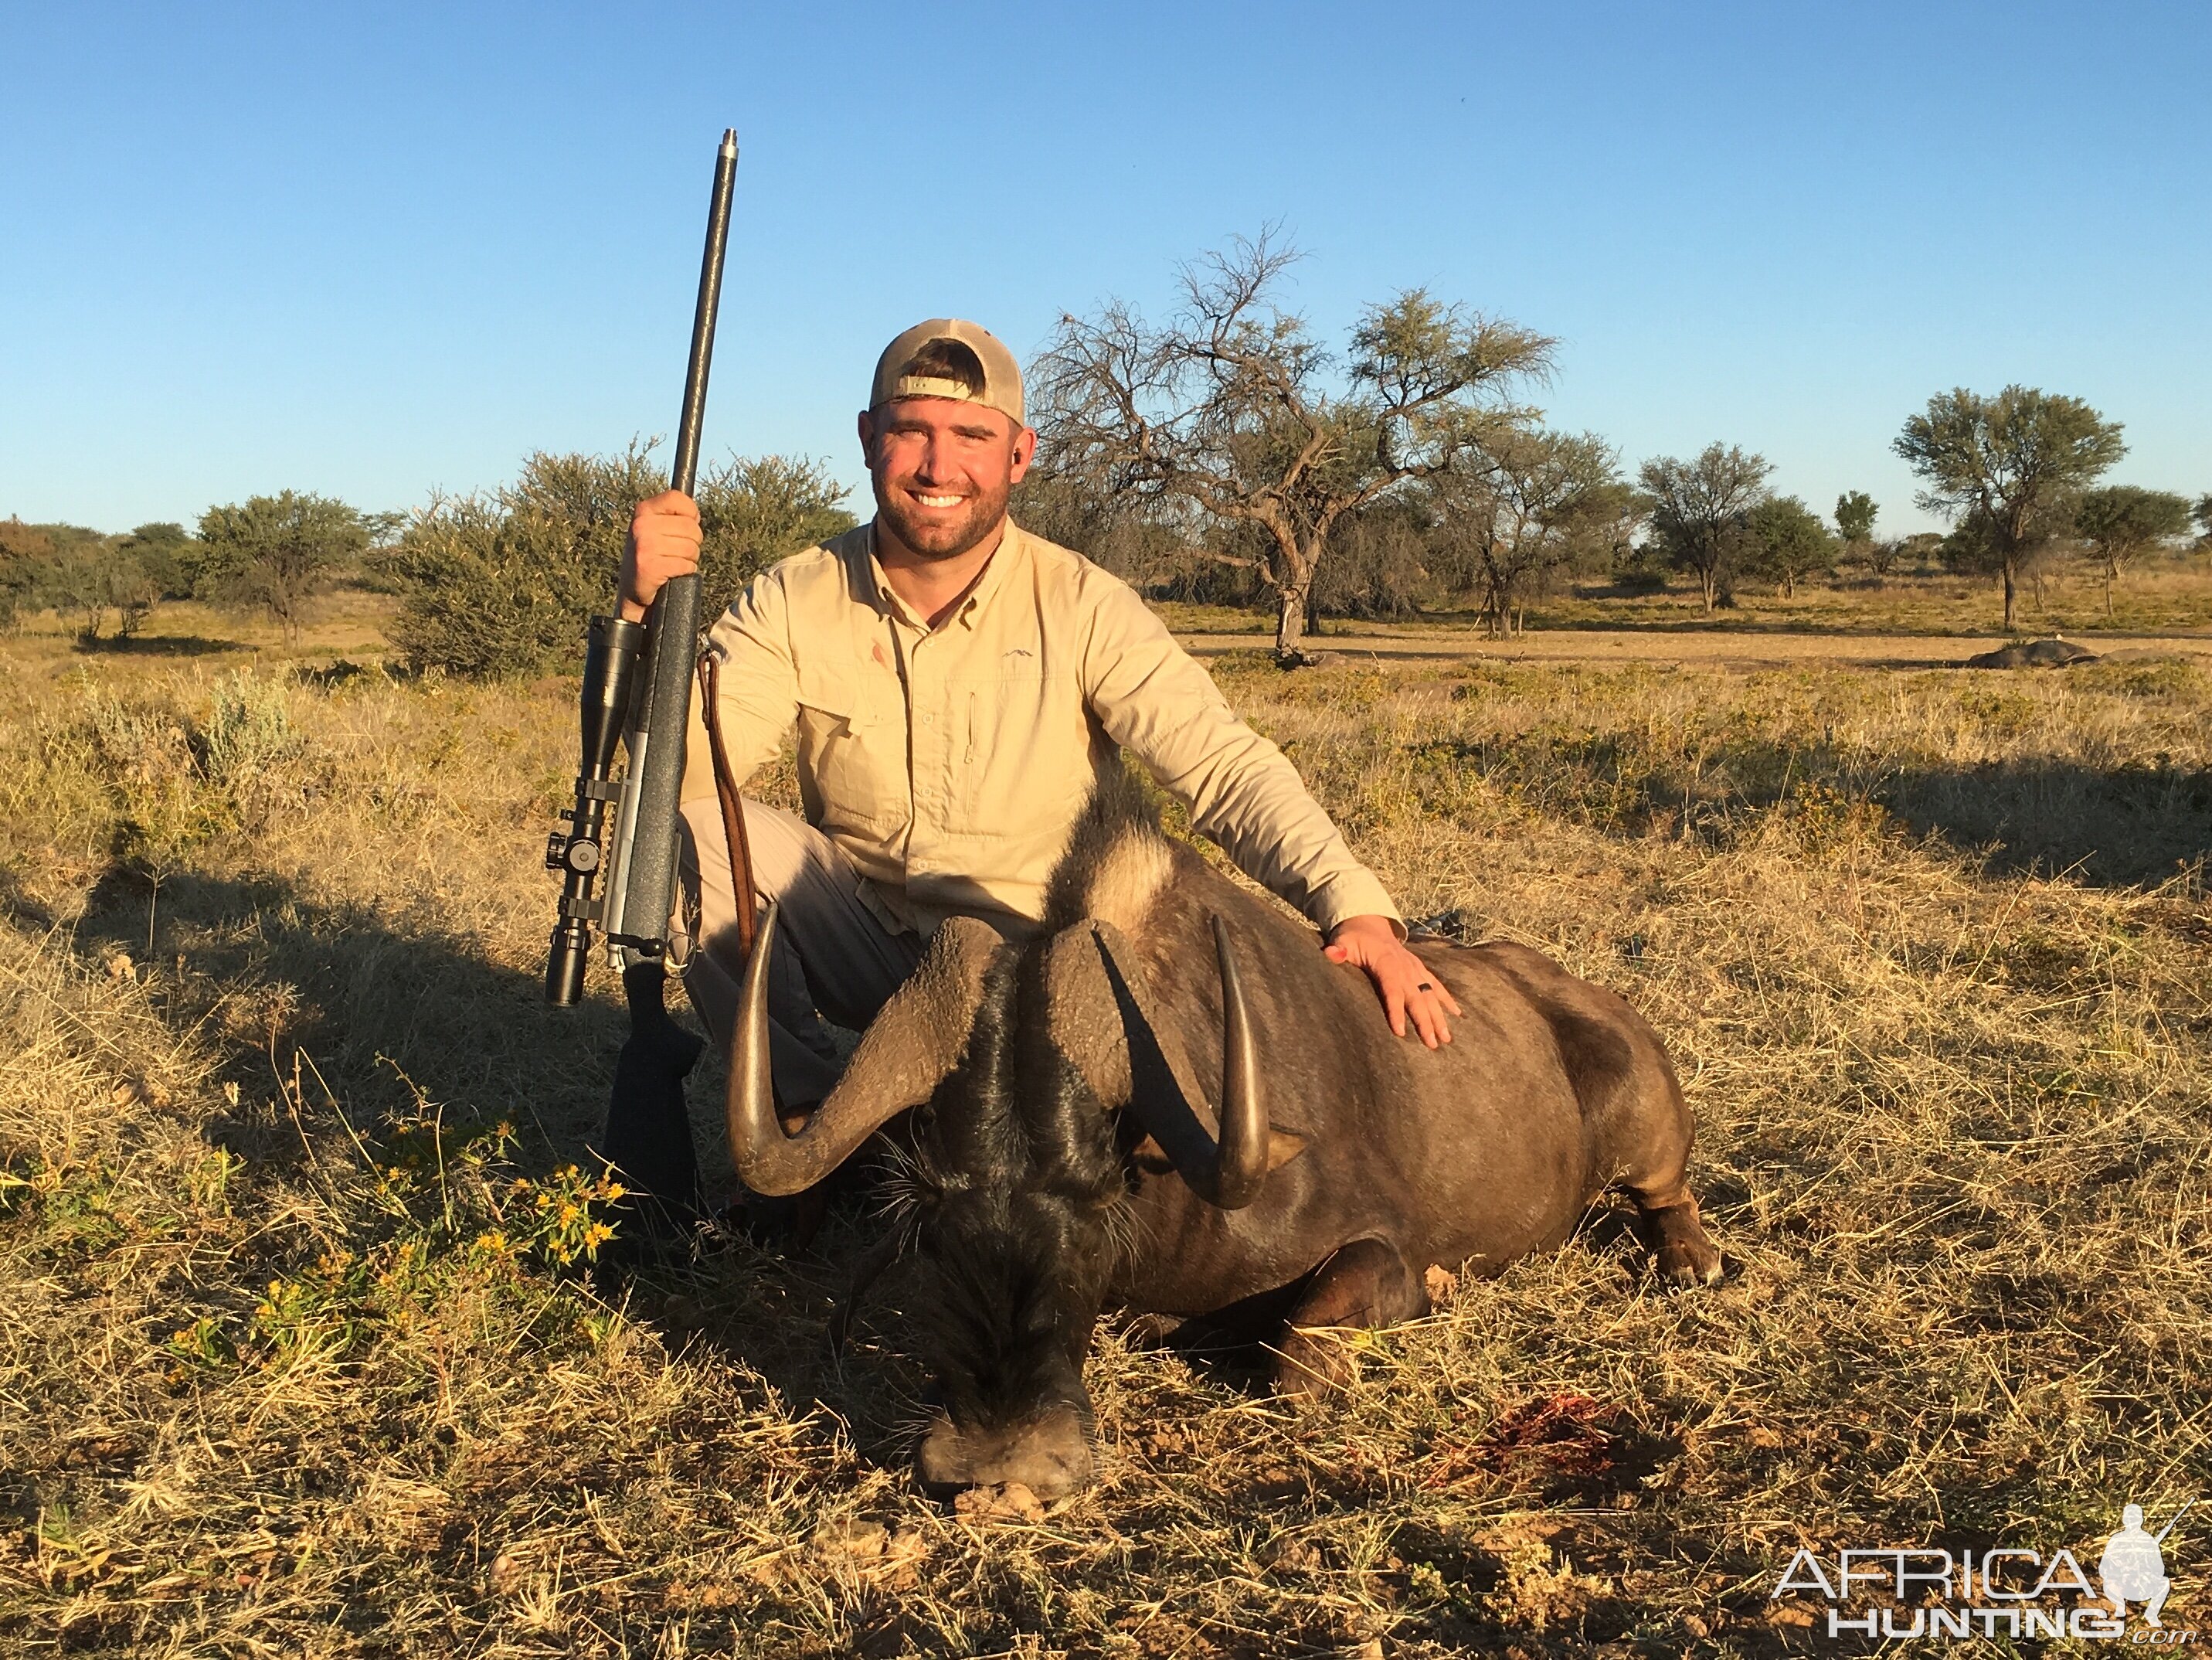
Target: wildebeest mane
[{"x": 1117, "y": 860}]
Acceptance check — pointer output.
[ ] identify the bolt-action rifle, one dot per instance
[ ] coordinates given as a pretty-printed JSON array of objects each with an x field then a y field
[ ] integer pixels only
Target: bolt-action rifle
[{"x": 621, "y": 834}]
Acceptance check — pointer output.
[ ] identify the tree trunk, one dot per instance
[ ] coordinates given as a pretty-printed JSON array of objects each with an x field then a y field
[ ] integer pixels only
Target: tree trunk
[
  {"x": 2111, "y": 571},
  {"x": 1291, "y": 622},
  {"x": 2011, "y": 581},
  {"x": 1708, "y": 586},
  {"x": 1293, "y": 571}
]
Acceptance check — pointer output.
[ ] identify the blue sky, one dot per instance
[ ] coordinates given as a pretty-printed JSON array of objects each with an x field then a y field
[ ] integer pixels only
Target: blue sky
[{"x": 377, "y": 250}]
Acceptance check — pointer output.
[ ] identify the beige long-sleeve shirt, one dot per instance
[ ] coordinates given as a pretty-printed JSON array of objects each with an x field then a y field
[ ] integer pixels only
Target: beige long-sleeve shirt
[{"x": 951, "y": 764}]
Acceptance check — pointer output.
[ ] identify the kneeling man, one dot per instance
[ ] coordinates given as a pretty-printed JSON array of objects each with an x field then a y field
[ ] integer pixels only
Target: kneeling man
[{"x": 956, "y": 685}]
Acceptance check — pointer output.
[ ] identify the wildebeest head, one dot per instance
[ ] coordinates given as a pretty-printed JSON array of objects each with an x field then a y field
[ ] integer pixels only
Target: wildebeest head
[{"x": 1026, "y": 1057}]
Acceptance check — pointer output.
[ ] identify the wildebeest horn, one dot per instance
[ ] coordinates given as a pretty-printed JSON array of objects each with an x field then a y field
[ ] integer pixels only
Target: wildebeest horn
[
  {"x": 1107, "y": 1022},
  {"x": 1244, "y": 1160},
  {"x": 909, "y": 1047}
]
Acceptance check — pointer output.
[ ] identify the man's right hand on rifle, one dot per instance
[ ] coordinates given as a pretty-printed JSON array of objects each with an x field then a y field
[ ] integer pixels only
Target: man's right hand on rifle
[{"x": 663, "y": 542}]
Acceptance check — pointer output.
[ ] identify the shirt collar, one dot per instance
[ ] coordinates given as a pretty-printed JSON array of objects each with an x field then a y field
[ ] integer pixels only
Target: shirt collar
[{"x": 1012, "y": 549}]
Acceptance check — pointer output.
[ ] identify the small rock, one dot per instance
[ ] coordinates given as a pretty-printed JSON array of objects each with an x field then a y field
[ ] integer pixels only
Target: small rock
[
  {"x": 506, "y": 1574},
  {"x": 2052, "y": 653},
  {"x": 683, "y": 1313},
  {"x": 1442, "y": 1285},
  {"x": 853, "y": 1540},
  {"x": 1012, "y": 1502}
]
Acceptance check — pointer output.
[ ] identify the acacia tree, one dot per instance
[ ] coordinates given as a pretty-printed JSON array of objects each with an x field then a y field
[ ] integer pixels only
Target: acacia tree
[
  {"x": 2203, "y": 513},
  {"x": 1855, "y": 517},
  {"x": 2009, "y": 468},
  {"x": 1510, "y": 513},
  {"x": 277, "y": 553},
  {"x": 1700, "y": 511},
  {"x": 1788, "y": 543},
  {"x": 1234, "y": 407},
  {"x": 502, "y": 584},
  {"x": 2118, "y": 522}
]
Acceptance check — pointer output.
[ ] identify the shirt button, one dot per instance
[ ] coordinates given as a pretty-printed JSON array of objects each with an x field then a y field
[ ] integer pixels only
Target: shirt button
[{"x": 928, "y": 720}]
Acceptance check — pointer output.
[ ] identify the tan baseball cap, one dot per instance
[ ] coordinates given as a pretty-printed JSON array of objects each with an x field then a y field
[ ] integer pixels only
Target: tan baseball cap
[{"x": 1002, "y": 376}]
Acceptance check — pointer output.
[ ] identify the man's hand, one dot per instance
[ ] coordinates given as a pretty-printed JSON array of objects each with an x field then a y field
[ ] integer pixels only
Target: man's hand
[
  {"x": 1406, "y": 984},
  {"x": 664, "y": 541}
]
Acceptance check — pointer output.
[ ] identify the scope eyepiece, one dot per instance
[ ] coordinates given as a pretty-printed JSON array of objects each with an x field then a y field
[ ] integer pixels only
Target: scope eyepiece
[{"x": 564, "y": 964}]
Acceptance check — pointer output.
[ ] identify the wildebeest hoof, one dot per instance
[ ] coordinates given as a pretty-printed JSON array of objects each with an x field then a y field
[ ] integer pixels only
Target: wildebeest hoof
[
  {"x": 1684, "y": 1267},
  {"x": 1680, "y": 1250},
  {"x": 1049, "y": 1453},
  {"x": 1311, "y": 1367}
]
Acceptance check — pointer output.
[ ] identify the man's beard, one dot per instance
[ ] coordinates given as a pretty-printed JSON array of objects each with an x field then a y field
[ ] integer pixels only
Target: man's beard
[{"x": 938, "y": 538}]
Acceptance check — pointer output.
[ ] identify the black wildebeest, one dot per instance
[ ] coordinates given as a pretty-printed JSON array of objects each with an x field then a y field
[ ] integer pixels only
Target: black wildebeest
[{"x": 1068, "y": 1157}]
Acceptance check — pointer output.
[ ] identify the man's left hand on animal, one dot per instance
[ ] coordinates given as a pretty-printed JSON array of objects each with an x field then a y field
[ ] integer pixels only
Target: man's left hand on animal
[
  {"x": 959, "y": 685},
  {"x": 1142, "y": 1085}
]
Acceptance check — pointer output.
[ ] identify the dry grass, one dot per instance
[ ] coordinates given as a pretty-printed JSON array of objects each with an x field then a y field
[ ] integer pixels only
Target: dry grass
[{"x": 289, "y": 1363}]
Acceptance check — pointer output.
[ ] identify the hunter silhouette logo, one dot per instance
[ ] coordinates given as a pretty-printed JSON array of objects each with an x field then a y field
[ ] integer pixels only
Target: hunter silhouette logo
[
  {"x": 2133, "y": 1567},
  {"x": 2004, "y": 1591}
]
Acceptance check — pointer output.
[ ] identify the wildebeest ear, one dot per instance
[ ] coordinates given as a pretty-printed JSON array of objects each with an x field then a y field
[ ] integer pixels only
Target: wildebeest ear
[
  {"x": 1100, "y": 1016},
  {"x": 1104, "y": 1019}
]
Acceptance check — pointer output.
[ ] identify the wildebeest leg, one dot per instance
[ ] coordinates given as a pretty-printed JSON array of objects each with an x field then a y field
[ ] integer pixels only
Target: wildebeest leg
[
  {"x": 1667, "y": 1221},
  {"x": 1631, "y": 1098},
  {"x": 1365, "y": 1284}
]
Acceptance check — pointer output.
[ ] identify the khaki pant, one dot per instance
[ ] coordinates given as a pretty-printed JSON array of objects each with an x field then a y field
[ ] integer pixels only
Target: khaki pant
[{"x": 832, "y": 955}]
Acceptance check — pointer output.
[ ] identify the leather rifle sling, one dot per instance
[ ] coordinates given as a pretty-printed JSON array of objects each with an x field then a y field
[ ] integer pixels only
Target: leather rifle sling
[{"x": 733, "y": 812}]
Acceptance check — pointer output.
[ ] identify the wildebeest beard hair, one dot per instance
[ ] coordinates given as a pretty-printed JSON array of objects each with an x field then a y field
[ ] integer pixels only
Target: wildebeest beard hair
[{"x": 1019, "y": 1209}]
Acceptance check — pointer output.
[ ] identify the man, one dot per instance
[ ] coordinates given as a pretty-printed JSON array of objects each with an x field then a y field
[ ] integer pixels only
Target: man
[{"x": 956, "y": 685}]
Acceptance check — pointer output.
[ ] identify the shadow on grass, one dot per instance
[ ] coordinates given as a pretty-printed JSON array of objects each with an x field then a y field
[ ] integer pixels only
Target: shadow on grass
[
  {"x": 2136, "y": 824},
  {"x": 182, "y": 645},
  {"x": 375, "y": 1011}
]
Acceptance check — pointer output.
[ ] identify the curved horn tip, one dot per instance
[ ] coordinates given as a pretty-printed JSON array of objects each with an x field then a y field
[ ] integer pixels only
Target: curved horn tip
[
  {"x": 1241, "y": 1154},
  {"x": 756, "y": 1130}
]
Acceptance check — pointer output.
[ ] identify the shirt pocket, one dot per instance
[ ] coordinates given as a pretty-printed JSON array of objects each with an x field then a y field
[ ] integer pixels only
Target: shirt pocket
[
  {"x": 842, "y": 762},
  {"x": 1023, "y": 763}
]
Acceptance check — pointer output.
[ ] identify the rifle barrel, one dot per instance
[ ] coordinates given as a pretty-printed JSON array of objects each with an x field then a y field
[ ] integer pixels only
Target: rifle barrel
[
  {"x": 683, "y": 466},
  {"x": 638, "y": 915}
]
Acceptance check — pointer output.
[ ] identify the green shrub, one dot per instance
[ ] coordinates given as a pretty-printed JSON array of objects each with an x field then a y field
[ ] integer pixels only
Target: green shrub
[
  {"x": 502, "y": 585},
  {"x": 249, "y": 727}
]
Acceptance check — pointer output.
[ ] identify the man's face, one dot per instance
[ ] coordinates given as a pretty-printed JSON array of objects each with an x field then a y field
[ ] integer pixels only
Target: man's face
[{"x": 943, "y": 470}]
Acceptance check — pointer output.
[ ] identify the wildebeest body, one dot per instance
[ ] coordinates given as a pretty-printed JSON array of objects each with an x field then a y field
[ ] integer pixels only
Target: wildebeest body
[
  {"x": 1478, "y": 1152},
  {"x": 1173, "y": 1102}
]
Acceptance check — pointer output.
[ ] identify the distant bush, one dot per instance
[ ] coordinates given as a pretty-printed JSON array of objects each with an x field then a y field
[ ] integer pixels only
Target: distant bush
[
  {"x": 83, "y": 574},
  {"x": 502, "y": 584},
  {"x": 277, "y": 553}
]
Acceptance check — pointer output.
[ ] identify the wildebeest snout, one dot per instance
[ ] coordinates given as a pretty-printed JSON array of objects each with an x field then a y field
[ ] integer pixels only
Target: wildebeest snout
[{"x": 1048, "y": 1452}]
